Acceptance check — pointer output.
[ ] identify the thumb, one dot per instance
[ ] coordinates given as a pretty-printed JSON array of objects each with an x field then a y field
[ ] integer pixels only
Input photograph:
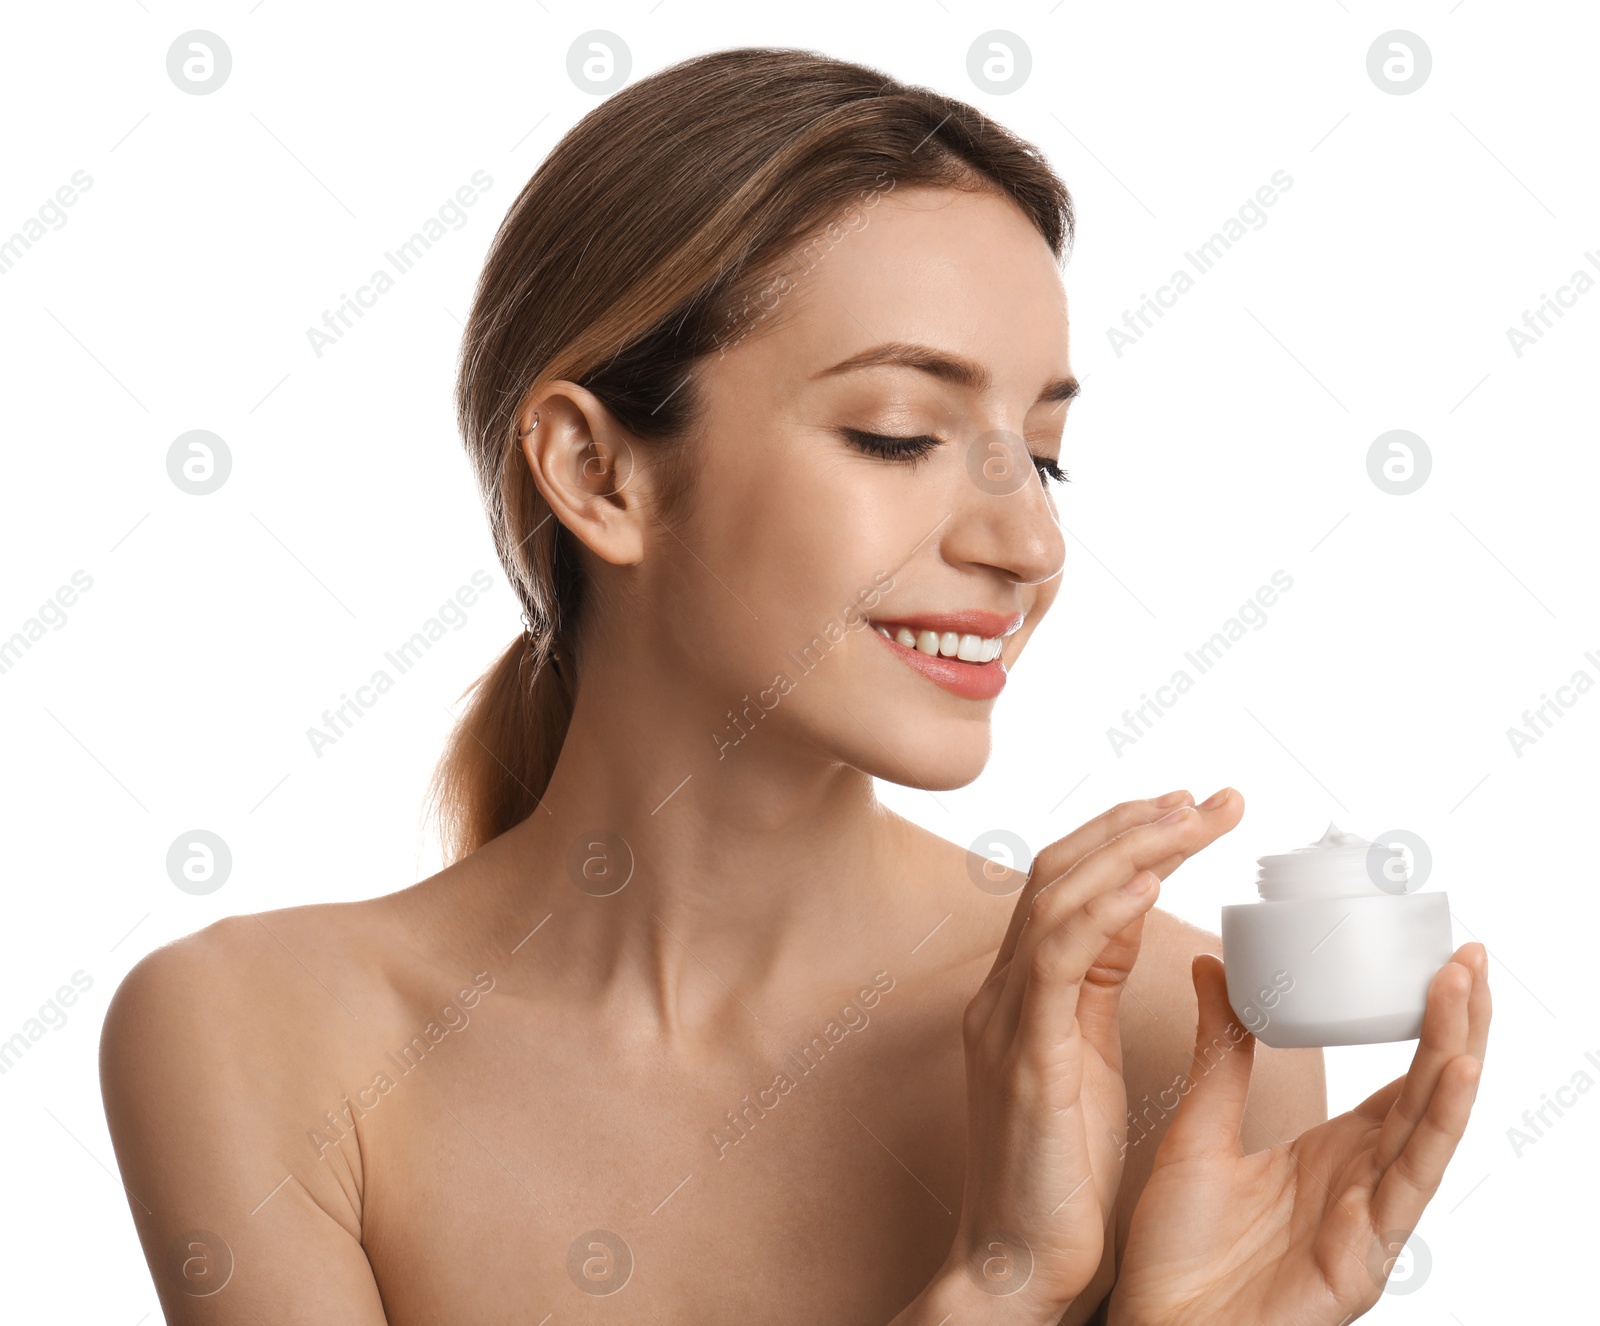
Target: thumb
[{"x": 1218, "y": 1081}]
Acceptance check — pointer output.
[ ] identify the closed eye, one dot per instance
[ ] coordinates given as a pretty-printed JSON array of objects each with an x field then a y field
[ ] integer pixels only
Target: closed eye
[
  {"x": 1048, "y": 469},
  {"x": 907, "y": 449},
  {"x": 910, "y": 450}
]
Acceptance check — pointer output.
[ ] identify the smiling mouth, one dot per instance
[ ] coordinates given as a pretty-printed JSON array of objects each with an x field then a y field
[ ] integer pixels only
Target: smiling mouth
[
  {"x": 959, "y": 651},
  {"x": 967, "y": 635}
]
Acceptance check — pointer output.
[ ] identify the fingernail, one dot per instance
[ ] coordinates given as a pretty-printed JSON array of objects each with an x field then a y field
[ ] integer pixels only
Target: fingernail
[
  {"x": 1171, "y": 799},
  {"x": 1177, "y": 814},
  {"x": 1216, "y": 799},
  {"x": 1140, "y": 883}
]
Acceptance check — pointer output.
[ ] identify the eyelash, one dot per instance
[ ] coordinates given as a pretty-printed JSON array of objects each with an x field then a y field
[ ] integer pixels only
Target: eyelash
[{"x": 910, "y": 450}]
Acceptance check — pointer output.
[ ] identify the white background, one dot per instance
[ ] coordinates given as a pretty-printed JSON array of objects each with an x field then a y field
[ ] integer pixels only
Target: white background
[{"x": 1229, "y": 443}]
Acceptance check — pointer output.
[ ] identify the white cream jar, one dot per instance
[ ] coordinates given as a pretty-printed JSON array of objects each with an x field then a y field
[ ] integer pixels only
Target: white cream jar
[{"x": 1338, "y": 951}]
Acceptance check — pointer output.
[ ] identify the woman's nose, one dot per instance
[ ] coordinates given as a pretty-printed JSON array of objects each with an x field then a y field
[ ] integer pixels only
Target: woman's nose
[{"x": 1003, "y": 516}]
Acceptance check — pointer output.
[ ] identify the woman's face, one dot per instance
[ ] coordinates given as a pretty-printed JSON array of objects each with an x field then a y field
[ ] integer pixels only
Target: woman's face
[{"x": 802, "y": 542}]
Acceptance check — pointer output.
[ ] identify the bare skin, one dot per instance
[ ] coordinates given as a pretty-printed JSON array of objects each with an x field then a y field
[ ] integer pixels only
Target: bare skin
[
  {"x": 457, "y": 1192},
  {"x": 583, "y": 1083}
]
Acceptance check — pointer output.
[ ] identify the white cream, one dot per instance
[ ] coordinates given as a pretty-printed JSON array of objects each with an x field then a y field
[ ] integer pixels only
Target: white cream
[{"x": 1337, "y": 865}]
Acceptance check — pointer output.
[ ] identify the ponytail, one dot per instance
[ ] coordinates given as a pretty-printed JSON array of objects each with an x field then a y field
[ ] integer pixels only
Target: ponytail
[{"x": 499, "y": 758}]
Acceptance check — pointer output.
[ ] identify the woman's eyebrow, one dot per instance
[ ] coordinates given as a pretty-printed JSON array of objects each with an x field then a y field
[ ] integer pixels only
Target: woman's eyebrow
[{"x": 946, "y": 367}]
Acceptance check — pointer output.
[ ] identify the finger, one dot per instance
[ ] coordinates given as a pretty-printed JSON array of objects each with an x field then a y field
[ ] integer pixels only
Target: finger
[
  {"x": 1228, "y": 798},
  {"x": 1100, "y": 992},
  {"x": 1103, "y": 870},
  {"x": 1060, "y": 965},
  {"x": 1475, "y": 957},
  {"x": 1407, "y": 1185},
  {"x": 1099, "y": 998},
  {"x": 1218, "y": 1082},
  {"x": 1444, "y": 1036},
  {"x": 1375, "y": 1108},
  {"x": 1181, "y": 833},
  {"x": 1060, "y": 856}
]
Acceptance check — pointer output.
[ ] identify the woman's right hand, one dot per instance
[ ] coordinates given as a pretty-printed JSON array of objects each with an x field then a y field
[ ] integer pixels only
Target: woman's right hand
[{"x": 1046, "y": 1105}]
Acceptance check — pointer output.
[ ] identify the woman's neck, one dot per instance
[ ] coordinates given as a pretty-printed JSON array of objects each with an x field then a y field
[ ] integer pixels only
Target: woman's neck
[{"x": 687, "y": 882}]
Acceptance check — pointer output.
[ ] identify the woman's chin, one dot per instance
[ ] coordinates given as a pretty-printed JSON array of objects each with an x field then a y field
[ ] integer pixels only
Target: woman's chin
[{"x": 924, "y": 762}]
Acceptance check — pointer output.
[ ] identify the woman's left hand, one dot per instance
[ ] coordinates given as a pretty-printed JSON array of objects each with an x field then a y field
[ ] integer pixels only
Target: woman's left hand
[{"x": 1306, "y": 1232}]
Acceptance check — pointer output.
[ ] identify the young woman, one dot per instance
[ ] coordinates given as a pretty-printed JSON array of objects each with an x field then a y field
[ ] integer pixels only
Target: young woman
[{"x": 764, "y": 384}]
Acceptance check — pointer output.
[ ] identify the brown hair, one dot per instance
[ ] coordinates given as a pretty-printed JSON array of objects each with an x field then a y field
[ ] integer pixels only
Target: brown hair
[{"x": 647, "y": 239}]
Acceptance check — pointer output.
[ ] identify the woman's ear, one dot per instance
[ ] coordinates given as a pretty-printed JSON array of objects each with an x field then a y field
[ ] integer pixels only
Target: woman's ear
[{"x": 585, "y": 468}]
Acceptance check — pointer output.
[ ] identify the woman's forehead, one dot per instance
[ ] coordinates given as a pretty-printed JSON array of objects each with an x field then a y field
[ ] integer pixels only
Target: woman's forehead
[{"x": 964, "y": 273}]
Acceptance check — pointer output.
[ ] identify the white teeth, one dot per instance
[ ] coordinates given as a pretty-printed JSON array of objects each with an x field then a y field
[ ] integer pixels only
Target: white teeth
[{"x": 949, "y": 644}]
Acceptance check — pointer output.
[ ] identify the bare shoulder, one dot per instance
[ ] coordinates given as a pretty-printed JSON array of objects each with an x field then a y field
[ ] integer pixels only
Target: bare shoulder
[
  {"x": 975, "y": 895},
  {"x": 221, "y": 1054},
  {"x": 251, "y": 1023},
  {"x": 282, "y": 972}
]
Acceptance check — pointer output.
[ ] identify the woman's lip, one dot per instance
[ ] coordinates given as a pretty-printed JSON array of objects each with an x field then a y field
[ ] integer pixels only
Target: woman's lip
[
  {"x": 972, "y": 681},
  {"x": 966, "y": 621}
]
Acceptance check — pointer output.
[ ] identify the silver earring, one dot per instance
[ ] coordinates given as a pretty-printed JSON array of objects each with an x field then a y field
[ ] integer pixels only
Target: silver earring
[{"x": 524, "y": 433}]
